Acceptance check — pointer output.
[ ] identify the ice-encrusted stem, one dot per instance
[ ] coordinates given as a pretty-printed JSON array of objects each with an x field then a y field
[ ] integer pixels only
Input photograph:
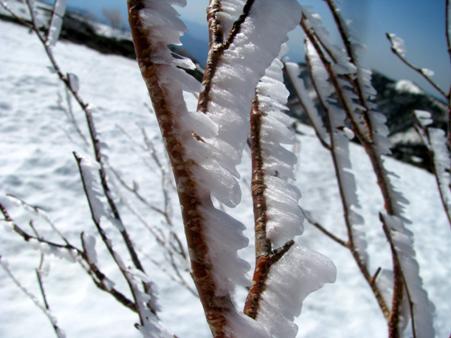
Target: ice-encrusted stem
[
  {"x": 98, "y": 277},
  {"x": 262, "y": 243},
  {"x": 216, "y": 304},
  {"x": 146, "y": 309},
  {"x": 340, "y": 156},
  {"x": 435, "y": 141},
  {"x": 215, "y": 29},
  {"x": 204, "y": 147},
  {"x": 400, "y": 53},
  {"x": 265, "y": 258},
  {"x": 397, "y": 47},
  {"x": 218, "y": 46},
  {"x": 277, "y": 214},
  {"x": 402, "y": 260}
]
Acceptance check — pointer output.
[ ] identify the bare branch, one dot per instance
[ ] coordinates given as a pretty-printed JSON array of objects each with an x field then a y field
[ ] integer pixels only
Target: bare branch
[{"x": 326, "y": 232}]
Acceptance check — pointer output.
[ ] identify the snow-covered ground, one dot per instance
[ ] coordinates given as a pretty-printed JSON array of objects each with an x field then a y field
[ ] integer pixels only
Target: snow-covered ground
[{"x": 36, "y": 164}]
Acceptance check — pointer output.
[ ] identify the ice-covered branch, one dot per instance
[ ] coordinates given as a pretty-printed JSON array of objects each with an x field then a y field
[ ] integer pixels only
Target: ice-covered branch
[
  {"x": 307, "y": 104},
  {"x": 204, "y": 147},
  {"x": 394, "y": 201},
  {"x": 398, "y": 48},
  {"x": 339, "y": 142},
  {"x": 435, "y": 140},
  {"x": 277, "y": 214}
]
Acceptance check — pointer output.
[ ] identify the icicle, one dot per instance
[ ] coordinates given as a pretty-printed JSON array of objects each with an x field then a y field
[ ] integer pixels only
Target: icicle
[
  {"x": 74, "y": 82},
  {"x": 56, "y": 22},
  {"x": 229, "y": 13},
  {"x": 89, "y": 243},
  {"x": 423, "y": 117}
]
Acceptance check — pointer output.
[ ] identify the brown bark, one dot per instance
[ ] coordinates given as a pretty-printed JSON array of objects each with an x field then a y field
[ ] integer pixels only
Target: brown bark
[
  {"x": 217, "y": 48},
  {"x": 215, "y": 306},
  {"x": 265, "y": 257}
]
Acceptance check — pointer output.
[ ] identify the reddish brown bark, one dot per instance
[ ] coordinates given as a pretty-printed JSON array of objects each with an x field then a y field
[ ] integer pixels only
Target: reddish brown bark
[
  {"x": 215, "y": 307},
  {"x": 265, "y": 257}
]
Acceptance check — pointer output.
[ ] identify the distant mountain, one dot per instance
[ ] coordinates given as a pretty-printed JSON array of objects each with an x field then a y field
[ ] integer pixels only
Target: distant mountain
[
  {"x": 396, "y": 100},
  {"x": 195, "y": 41}
]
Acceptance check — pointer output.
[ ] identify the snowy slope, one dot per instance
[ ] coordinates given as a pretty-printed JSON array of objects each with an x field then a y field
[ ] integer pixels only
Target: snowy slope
[{"x": 36, "y": 163}]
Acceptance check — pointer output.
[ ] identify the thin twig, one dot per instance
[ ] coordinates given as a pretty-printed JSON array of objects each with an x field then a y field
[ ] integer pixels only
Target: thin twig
[
  {"x": 216, "y": 51},
  {"x": 326, "y": 232},
  {"x": 415, "y": 68},
  {"x": 93, "y": 136}
]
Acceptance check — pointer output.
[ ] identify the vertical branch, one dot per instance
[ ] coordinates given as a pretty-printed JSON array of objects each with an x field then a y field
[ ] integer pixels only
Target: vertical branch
[
  {"x": 217, "y": 48},
  {"x": 215, "y": 31},
  {"x": 216, "y": 304},
  {"x": 262, "y": 243},
  {"x": 346, "y": 204},
  {"x": 389, "y": 202}
]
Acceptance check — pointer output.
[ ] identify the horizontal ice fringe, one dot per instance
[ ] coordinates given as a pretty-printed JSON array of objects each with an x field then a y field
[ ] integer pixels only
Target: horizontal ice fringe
[
  {"x": 340, "y": 142},
  {"x": 293, "y": 72},
  {"x": 214, "y": 160},
  {"x": 298, "y": 273},
  {"x": 282, "y": 197}
]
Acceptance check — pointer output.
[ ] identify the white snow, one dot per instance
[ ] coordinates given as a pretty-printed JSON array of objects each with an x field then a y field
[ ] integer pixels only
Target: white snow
[
  {"x": 36, "y": 163},
  {"x": 407, "y": 86}
]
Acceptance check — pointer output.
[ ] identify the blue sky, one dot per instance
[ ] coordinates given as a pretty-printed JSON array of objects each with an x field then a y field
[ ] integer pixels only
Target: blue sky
[{"x": 421, "y": 23}]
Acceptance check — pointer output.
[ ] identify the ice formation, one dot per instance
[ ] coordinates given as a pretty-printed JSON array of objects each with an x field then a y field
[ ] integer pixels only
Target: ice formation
[
  {"x": 396, "y": 220},
  {"x": 339, "y": 143},
  {"x": 56, "y": 22},
  {"x": 300, "y": 271}
]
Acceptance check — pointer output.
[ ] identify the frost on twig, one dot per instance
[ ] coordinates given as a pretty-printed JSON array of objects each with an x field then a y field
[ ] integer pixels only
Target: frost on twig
[
  {"x": 376, "y": 145},
  {"x": 278, "y": 216},
  {"x": 204, "y": 147},
  {"x": 435, "y": 141},
  {"x": 398, "y": 48},
  {"x": 307, "y": 104}
]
